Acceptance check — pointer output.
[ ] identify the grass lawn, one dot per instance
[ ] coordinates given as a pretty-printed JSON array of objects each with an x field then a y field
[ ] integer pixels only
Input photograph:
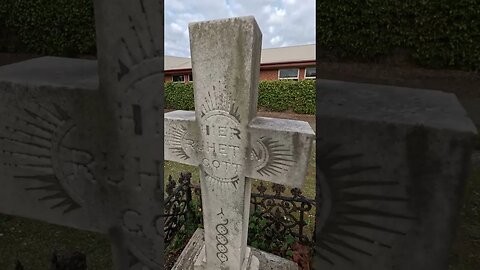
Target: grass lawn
[{"x": 33, "y": 242}]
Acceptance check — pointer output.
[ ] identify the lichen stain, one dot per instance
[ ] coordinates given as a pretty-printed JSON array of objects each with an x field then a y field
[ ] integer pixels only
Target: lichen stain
[{"x": 235, "y": 76}]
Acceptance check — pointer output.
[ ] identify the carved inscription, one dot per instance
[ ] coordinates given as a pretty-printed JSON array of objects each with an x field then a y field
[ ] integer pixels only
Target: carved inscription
[
  {"x": 222, "y": 240},
  {"x": 222, "y": 159},
  {"x": 222, "y": 152},
  {"x": 132, "y": 222},
  {"x": 137, "y": 119}
]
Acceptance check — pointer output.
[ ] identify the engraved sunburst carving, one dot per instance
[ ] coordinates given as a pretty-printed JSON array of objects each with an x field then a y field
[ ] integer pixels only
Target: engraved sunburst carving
[
  {"x": 175, "y": 137},
  {"x": 35, "y": 147},
  {"x": 277, "y": 158},
  {"x": 223, "y": 183},
  {"x": 219, "y": 102},
  {"x": 140, "y": 45},
  {"x": 345, "y": 203}
]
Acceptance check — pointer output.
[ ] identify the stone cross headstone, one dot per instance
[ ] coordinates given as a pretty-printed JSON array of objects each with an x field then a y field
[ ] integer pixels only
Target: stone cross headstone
[
  {"x": 228, "y": 142},
  {"x": 392, "y": 164},
  {"x": 88, "y": 153}
]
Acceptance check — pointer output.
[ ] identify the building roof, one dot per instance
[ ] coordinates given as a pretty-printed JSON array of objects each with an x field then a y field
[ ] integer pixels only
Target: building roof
[
  {"x": 288, "y": 54},
  {"x": 269, "y": 56},
  {"x": 175, "y": 62}
]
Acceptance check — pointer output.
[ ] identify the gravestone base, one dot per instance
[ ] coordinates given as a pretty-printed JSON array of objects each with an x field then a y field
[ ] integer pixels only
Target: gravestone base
[
  {"x": 193, "y": 255},
  {"x": 252, "y": 262}
]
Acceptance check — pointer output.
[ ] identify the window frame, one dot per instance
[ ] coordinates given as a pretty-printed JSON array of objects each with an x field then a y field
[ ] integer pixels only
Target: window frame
[
  {"x": 309, "y": 77},
  {"x": 290, "y": 78},
  {"x": 183, "y": 76}
]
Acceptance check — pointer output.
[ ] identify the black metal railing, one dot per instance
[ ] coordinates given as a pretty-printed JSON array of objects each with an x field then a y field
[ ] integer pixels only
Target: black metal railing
[
  {"x": 284, "y": 213},
  {"x": 179, "y": 196}
]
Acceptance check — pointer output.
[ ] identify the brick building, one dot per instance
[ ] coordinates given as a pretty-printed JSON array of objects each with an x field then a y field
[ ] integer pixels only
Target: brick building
[{"x": 286, "y": 63}]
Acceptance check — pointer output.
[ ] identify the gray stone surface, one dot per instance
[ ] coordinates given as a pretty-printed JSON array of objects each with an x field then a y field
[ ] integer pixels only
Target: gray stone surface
[
  {"x": 130, "y": 65},
  {"x": 86, "y": 152},
  {"x": 192, "y": 250},
  {"x": 476, "y": 160},
  {"x": 43, "y": 131},
  {"x": 472, "y": 106},
  {"x": 225, "y": 139},
  {"x": 392, "y": 165},
  {"x": 56, "y": 72}
]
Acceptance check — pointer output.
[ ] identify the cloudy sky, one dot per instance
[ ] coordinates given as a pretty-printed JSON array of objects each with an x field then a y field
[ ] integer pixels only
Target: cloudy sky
[{"x": 282, "y": 22}]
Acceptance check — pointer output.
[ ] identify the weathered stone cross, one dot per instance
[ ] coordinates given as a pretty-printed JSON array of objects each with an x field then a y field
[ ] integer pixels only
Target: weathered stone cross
[
  {"x": 227, "y": 141},
  {"x": 84, "y": 150}
]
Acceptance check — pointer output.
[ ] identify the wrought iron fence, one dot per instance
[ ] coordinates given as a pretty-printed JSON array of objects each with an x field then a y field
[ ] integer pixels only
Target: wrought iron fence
[
  {"x": 179, "y": 196},
  {"x": 285, "y": 214},
  {"x": 282, "y": 212}
]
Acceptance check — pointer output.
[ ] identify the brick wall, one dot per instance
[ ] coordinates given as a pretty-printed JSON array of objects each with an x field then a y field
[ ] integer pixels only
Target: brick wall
[
  {"x": 270, "y": 74},
  {"x": 301, "y": 74},
  {"x": 265, "y": 75}
]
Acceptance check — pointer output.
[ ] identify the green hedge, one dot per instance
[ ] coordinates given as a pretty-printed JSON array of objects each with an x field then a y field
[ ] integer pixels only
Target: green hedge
[
  {"x": 297, "y": 96},
  {"x": 436, "y": 33},
  {"x": 60, "y": 27},
  {"x": 179, "y": 96}
]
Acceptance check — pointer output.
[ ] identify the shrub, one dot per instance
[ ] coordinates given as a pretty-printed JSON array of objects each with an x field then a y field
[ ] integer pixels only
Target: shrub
[
  {"x": 278, "y": 96},
  {"x": 61, "y": 27},
  {"x": 298, "y": 96},
  {"x": 436, "y": 33},
  {"x": 179, "y": 96}
]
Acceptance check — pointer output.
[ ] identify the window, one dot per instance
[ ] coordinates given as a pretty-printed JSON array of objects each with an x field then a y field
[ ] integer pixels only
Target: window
[
  {"x": 190, "y": 77},
  {"x": 178, "y": 78},
  {"x": 288, "y": 74},
  {"x": 310, "y": 73}
]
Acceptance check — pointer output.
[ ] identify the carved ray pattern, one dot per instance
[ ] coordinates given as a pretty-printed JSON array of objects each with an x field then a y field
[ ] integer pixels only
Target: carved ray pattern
[
  {"x": 278, "y": 158},
  {"x": 36, "y": 148},
  {"x": 346, "y": 201}
]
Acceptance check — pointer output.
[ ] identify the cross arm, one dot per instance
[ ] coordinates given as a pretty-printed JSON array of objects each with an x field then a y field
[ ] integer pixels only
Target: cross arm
[
  {"x": 279, "y": 150},
  {"x": 46, "y": 164},
  {"x": 181, "y": 133}
]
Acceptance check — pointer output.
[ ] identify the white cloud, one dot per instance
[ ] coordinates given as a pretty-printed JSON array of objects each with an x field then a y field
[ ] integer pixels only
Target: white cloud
[
  {"x": 267, "y": 9},
  {"x": 282, "y": 22},
  {"x": 176, "y": 28},
  {"x": 271, "y": 29},
  {"x": 289, "y": 2},
  {"x": 177, "y": 6},
  {"x": 276, "y": 40},
  {"x": 277, "y": 16}
]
